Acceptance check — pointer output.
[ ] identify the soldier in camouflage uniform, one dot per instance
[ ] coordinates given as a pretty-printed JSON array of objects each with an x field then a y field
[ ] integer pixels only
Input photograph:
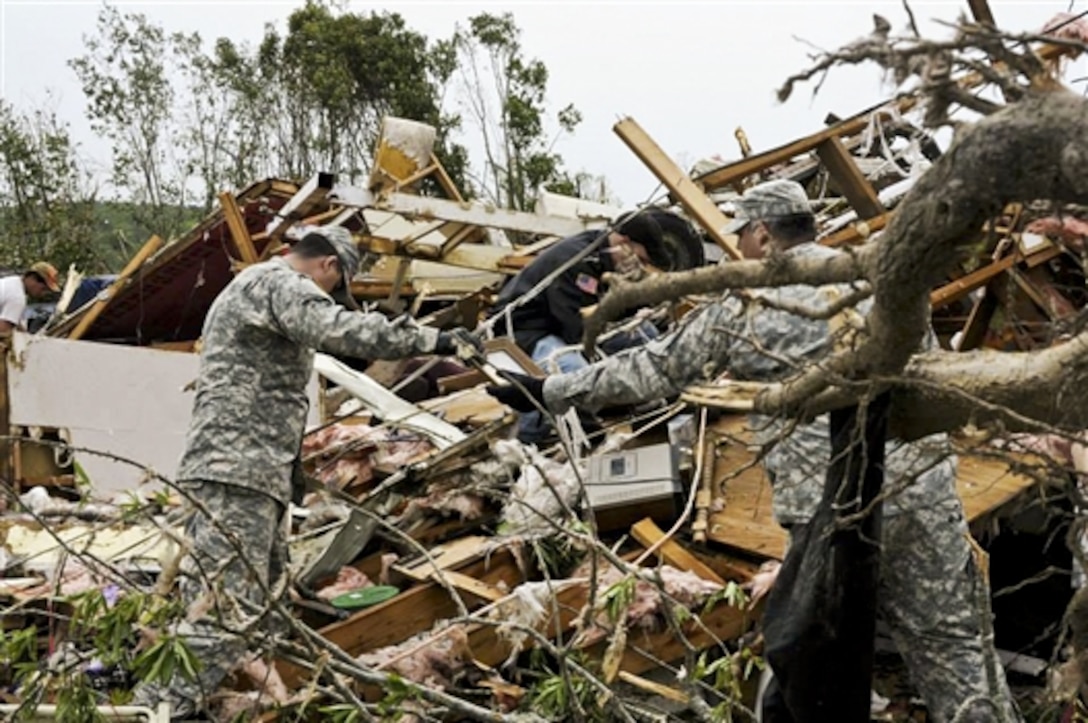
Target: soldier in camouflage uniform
[
  {"x": 246, "y": 432},
  {"x": 927, "y": 594}
]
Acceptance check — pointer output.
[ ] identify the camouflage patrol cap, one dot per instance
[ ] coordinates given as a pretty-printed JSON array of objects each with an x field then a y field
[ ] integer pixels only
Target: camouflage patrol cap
[
  {"x": 347, "y": 253},
  {"x": 772, "y": 199}
]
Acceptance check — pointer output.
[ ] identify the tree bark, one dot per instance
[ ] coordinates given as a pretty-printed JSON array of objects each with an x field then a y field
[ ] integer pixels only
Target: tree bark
[{"x": 1034, "y": 149}]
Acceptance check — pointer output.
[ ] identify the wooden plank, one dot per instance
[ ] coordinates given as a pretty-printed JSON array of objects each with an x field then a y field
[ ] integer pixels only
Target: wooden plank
[
  {"x": 445, "y": 181},
  {"x": 440, "y": 209},
  {"x": 853, "y": 184},
  {"x": 414, "y": 611},
  {"x": 858, "y": 232},
  {"x": 734, "y": 172},
  {"x": 236, "y": 224},
  {"x": 981, "y": 276},
  {"x": 480, "y": 257},
  {"x": 746, "y": 521},
  {"x": 964, "y": 285},
  {"x": 457, "y": 238},
  {"x": 665, "y": 691},
  {"x": 468, "y": 584},
  {"x": 648, "y": 534},
  {"x": 88, "y": 318},
  {"x": 723, "y": 623},
  {"x": 457, "y": 553},
  {"x": 680, "y": 185},
  {"x": 301, "y": 204}
]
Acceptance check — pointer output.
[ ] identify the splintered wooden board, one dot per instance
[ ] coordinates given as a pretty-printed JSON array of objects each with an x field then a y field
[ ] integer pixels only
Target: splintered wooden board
[
  {"x": 746, "y": 521},
  {"x": 413, "y": 611}
]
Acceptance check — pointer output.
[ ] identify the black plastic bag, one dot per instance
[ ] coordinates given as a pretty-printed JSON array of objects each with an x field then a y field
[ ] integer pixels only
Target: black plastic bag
[{"x": 819, "y": 624}]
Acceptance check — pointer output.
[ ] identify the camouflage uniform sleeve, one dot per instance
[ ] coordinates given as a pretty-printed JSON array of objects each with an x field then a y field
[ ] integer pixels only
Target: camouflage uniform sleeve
[
  {"x": 309, "y": 317},
  {"x": 698, "y": 350}
]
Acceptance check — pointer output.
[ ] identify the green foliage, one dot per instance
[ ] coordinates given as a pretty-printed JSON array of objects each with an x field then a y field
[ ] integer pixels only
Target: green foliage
[
  {"x": 396, "y": 692},
  {"x": 105, "y": 625},
  {"x": 46, "y": 201},
  {"x": 340, "y": 713},
  {"x": 726, "y": 674},
  {"x": 76, "y": 701},
  {"x": 130, "y": 100},
  {"x": 558, "y": 555},
  {"x": 560, "y": 698},
  {"x": 18, "y": 654},
  {"x": 169, "y": 655},
  {"x": 332, "y": 78},
  {"x": 506, "y": 95},
  {"x": 732, "y": 594},
  {"x": 188, "y": 118},
  {"x": 618, "y": 597}
]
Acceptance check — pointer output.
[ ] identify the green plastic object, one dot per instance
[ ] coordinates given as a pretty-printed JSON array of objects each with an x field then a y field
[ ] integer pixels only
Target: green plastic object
[{"x": 364, "y": 597}]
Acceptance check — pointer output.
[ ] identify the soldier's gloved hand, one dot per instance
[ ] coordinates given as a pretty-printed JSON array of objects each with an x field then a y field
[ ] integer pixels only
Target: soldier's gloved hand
[
  {"x": 458, "y": 342},
  {"x": 520, "y": 395}
]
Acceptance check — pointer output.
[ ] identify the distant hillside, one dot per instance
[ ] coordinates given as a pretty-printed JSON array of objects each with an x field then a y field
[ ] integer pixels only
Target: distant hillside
[
  {"x": 98, "y": 238},
  {"x": 118, "y": 233}
]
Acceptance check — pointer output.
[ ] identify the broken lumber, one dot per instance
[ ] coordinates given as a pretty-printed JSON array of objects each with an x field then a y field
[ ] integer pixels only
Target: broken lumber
[
  {"x": 146, "y": 251},
  {"x": 680, "y": 185},
  {"x": 386, "y": 405},
  {"x": 650, "y": 536},
  {"x": 236, "y": 225}
]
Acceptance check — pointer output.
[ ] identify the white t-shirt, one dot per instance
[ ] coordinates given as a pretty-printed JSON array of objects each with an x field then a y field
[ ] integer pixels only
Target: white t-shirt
[{"x": 12, "y": 300}]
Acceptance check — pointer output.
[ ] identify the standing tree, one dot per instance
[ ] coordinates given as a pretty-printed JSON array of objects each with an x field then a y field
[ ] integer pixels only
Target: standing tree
[
  {"x": 47, "y": 201},
  {"x": 313, "y": 98},
  {"x": 505, "y": 93},
  {"x": 130, "y": 101}
]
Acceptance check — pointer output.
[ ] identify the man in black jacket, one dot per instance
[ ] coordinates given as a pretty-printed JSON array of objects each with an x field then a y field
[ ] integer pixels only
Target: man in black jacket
[{"x": 550, "y": 321}]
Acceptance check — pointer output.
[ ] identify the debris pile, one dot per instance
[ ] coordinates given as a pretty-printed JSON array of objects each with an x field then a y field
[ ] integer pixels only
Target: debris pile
[{"x": 428, "y": 543}]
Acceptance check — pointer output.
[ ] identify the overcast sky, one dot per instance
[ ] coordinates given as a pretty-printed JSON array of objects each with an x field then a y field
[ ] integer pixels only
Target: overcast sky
[{"x": 689, "y": 72}]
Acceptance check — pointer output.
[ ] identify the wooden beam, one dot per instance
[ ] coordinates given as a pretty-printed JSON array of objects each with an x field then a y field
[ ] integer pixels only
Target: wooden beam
[
  {"x": 981, "y": 276},
  {"x": 648, "y": 534},
  {"x": 738, "y": 171},
  {"x": 445, "y": 181},
  {"x": 449, "y": 556},
  {"x": 468, "y": 584},
  {"x": 853, "y": 184},
  {"x": 441, "y": 209},
  {"x": 964, "y": 285},
  {"x": 236, "y": 224},
  {"x": 146, "y": 251},
  {"x": 481, "y": 257},
  {"x": 302, "y": 204},
  {"x": 857, "y": 232},
  {"x": 680, "y": 185},
  {"x": 412, "y": 612},
  {"x": 457, "y": 238},
  {"x": 724, "y": 622}
]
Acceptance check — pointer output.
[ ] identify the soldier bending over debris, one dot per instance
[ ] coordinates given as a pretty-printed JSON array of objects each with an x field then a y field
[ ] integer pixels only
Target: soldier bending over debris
[{"x": 246, "y": 432}]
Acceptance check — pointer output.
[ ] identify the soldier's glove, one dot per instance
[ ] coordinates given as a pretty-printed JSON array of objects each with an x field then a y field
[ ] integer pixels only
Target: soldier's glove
[
  {"x": 459, "y": 342},
  {"x": 521, "y": 394}
]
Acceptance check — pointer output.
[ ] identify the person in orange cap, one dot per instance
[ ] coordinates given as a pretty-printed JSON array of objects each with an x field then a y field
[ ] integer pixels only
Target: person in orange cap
[{"x": 36, "y": 282}]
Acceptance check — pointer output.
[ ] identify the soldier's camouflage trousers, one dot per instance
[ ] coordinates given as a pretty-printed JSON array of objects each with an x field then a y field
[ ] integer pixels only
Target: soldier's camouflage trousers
[
  {"x": 214, "y": 578},
  {"x": 930, "y": 595}
]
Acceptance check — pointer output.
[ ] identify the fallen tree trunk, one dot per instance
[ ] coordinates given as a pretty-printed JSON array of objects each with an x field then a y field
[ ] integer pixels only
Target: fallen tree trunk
[{"x": 1020, "y": 390}]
